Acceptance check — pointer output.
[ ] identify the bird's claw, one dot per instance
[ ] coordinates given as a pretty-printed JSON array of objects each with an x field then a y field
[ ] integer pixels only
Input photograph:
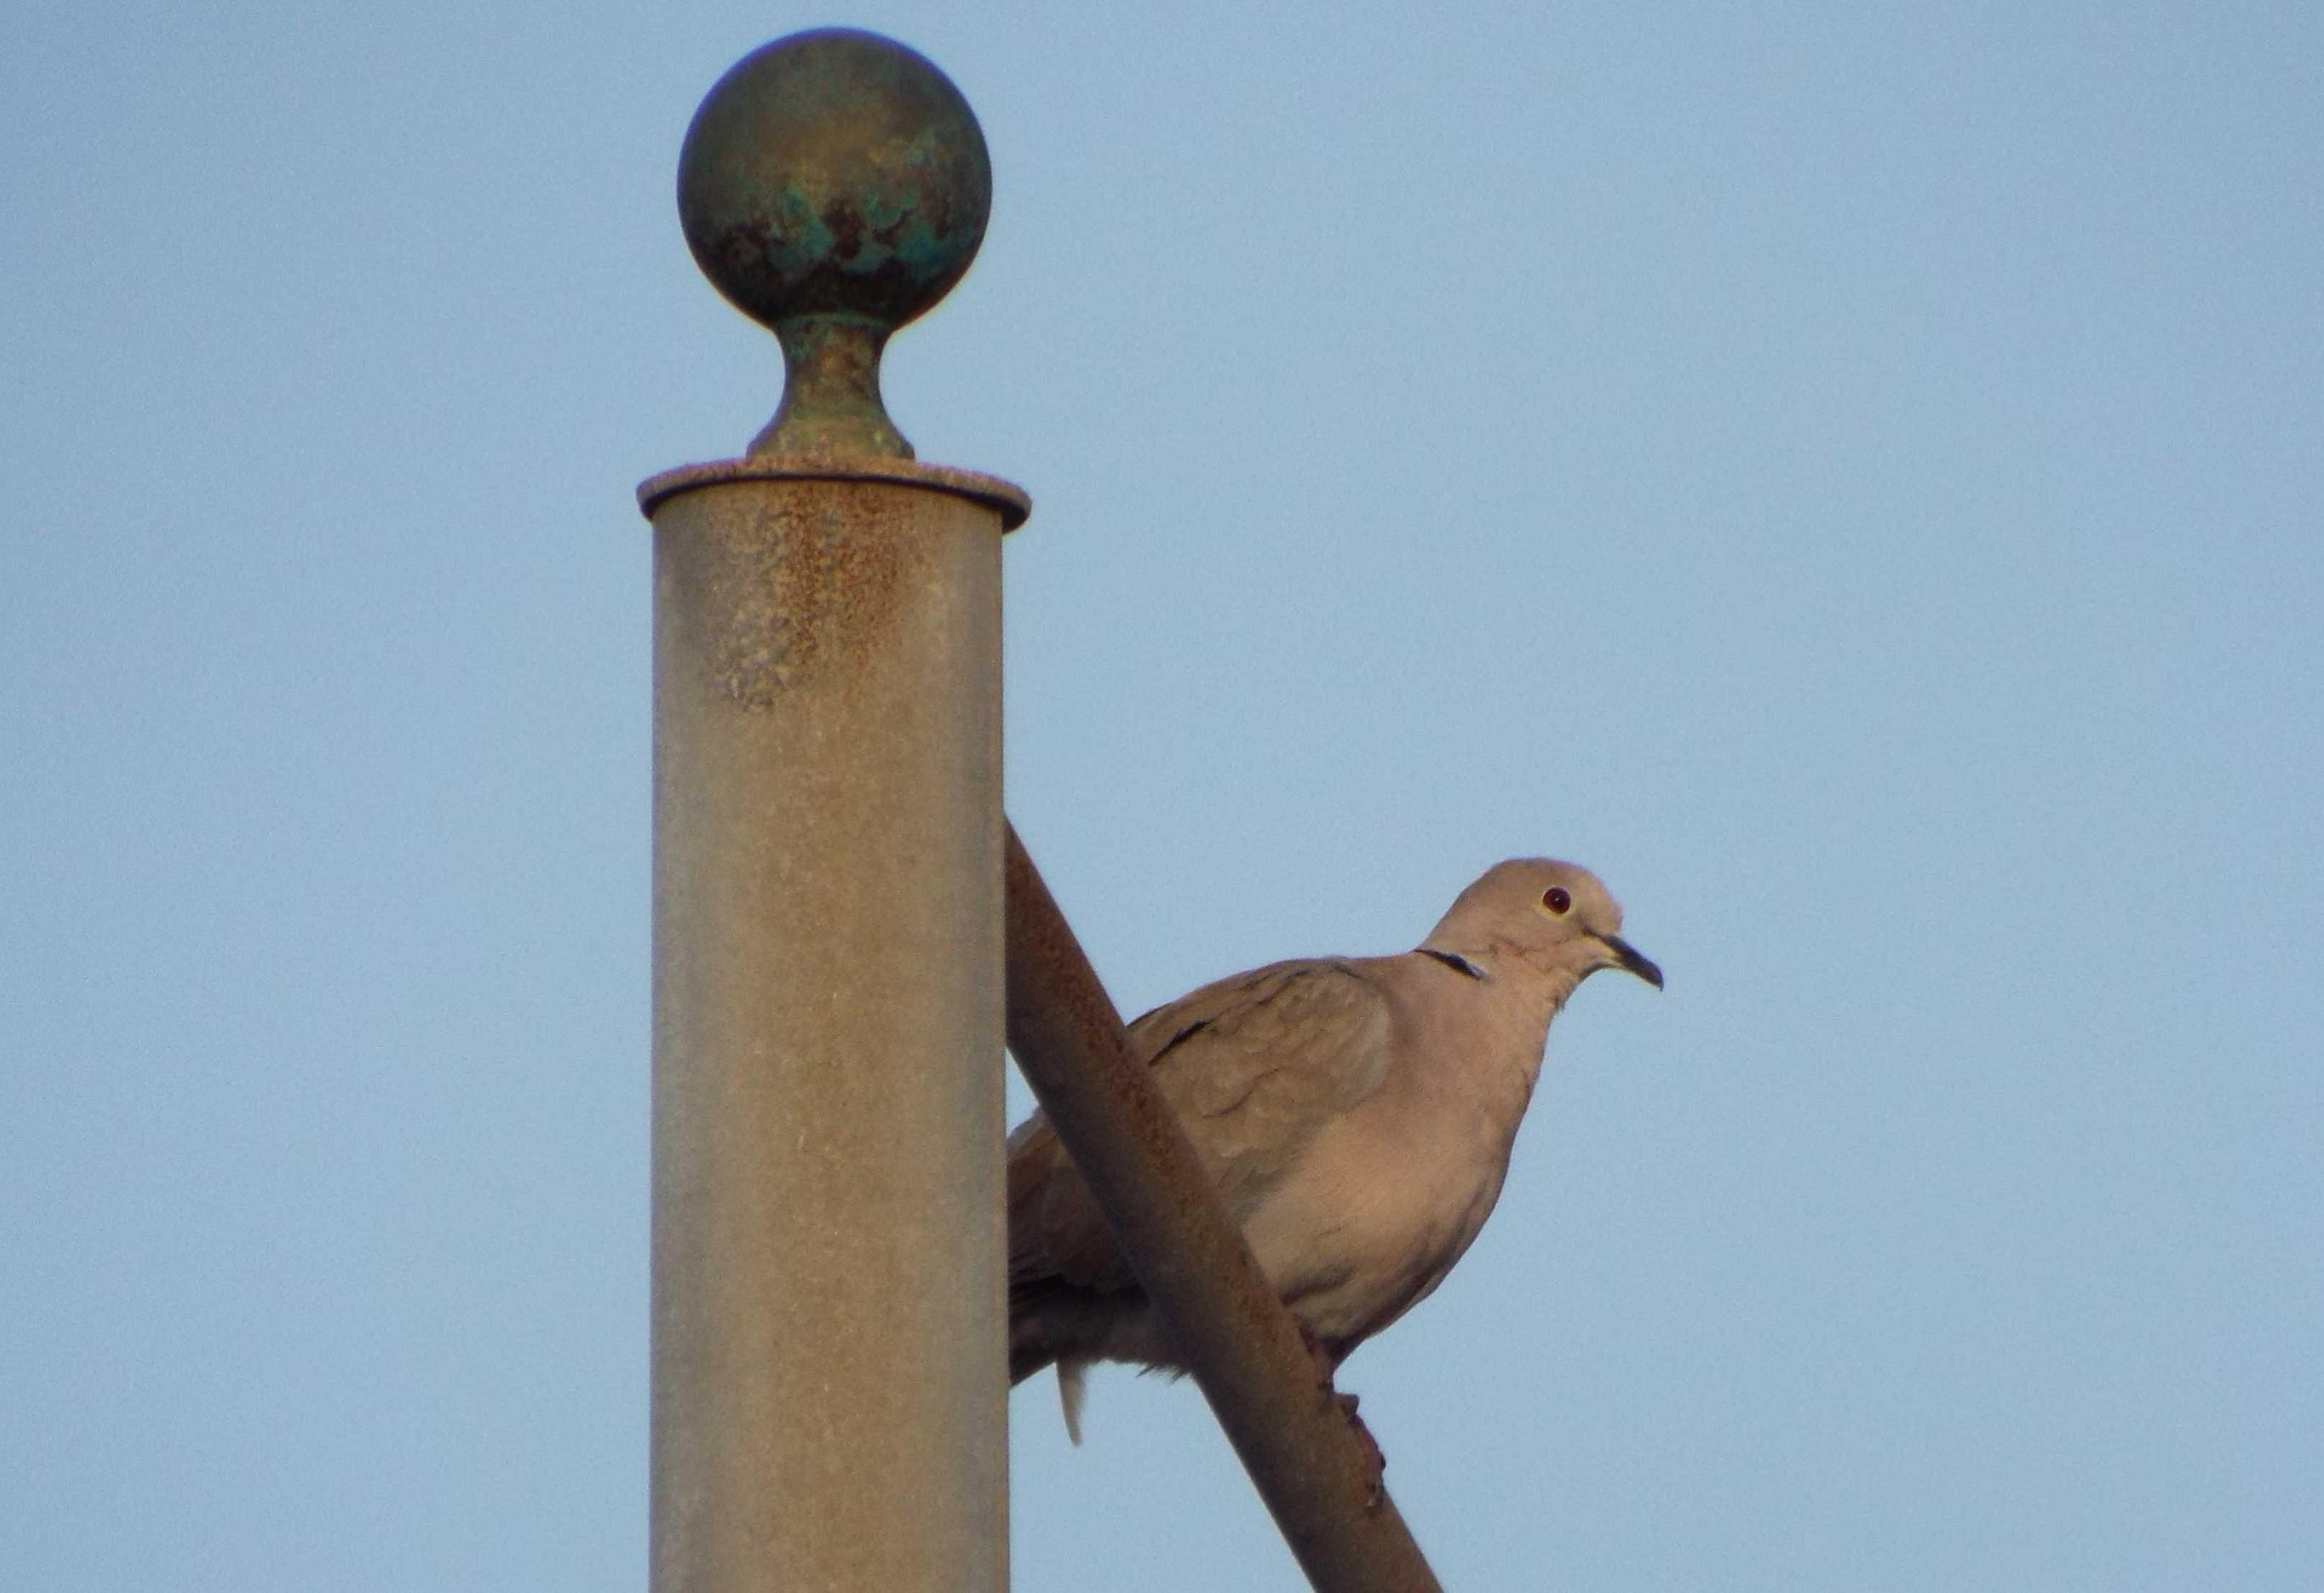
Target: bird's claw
[
  {"x": 1372, "y": 1455},
  {"x": 1326, "y": 1365}
]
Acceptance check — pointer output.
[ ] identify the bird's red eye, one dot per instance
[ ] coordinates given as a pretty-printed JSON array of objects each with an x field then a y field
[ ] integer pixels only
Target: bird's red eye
[{"x": 1556, "y": 898}]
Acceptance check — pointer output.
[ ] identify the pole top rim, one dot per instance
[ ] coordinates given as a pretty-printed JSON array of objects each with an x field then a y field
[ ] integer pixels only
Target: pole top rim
[{"x": 1008, "y": 499}]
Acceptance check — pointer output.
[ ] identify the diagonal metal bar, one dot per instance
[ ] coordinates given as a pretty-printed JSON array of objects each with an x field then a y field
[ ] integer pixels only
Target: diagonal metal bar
[{"x": 1244, "y": 1349}]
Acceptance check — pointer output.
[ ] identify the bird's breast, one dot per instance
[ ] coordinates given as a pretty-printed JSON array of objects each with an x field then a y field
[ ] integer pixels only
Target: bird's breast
[{"x": 1380, "y": 1208}]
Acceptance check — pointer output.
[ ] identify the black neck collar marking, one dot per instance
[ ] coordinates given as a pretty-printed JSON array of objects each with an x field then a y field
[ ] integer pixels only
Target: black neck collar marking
[{"x": 1454, "y": 961}]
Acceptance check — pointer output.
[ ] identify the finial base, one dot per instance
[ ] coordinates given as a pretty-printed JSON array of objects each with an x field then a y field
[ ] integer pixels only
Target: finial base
[{"x": 831, "y": 404}]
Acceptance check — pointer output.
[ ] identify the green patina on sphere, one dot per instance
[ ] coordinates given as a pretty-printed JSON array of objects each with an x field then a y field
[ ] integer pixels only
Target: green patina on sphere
[{"x": 834, "y": 173}]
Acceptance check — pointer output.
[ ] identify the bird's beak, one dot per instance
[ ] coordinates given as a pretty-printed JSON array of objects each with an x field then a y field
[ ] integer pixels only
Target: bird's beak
[{"x": 1629, "y": 957}]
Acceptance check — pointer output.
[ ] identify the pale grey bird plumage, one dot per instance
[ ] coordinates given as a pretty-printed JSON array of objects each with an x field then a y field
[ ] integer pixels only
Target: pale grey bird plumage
[{"x": 1356, "y": 1115}]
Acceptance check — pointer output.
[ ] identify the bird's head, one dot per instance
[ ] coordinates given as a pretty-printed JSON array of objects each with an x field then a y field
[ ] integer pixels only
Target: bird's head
[{"x": 1553, "y": 916}]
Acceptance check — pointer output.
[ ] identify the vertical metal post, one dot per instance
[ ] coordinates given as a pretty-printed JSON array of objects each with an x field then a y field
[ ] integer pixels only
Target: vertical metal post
[{"x": 829, "y": 1410}]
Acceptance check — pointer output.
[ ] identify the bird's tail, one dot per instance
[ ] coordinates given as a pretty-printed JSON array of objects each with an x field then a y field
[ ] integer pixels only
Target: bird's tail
[
  {"x": 1072, "y": 1387},
  {"x": 1055, "y": 1324}
]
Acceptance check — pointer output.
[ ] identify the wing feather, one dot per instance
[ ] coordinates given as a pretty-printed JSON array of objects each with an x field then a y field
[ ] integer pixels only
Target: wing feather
[{"x": 1253, "y": 1066}]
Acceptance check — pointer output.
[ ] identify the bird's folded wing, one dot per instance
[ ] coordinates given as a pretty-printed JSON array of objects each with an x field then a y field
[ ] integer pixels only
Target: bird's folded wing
[{"x": 1253, "y": 1066}]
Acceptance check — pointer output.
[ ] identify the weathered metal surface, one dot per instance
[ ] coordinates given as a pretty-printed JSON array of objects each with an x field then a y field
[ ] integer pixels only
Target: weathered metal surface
[
  {"x": 828, "y": 1308},
  {"x": 1006, "y": 499},
  {"x": 829, "y": 1311},
  {"x": 1246, "y": 1351},
  {"x": 834, "y": 186}
]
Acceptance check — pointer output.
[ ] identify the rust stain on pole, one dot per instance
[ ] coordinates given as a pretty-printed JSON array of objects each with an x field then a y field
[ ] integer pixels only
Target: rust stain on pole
[
  {"x": 1245, "y": 1350},
  {"x": 829, "y": 1237}
]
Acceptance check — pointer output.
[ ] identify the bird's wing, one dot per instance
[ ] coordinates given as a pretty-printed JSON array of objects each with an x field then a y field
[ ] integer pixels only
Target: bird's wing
[{"x": 1253, "y": 1066}]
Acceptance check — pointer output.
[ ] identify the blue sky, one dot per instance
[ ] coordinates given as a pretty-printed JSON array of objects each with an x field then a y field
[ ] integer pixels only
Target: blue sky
[{"x": 1849, "y": 476}]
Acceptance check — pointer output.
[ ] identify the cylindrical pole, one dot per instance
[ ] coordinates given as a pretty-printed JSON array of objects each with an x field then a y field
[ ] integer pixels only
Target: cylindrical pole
[{"x": 829, "y": 1410}]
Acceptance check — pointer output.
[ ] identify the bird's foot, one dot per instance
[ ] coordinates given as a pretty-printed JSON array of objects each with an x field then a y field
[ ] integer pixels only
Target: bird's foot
[
  {"x": 1372, "y": 1455},
  {"x": 1326, "y": 1365}
]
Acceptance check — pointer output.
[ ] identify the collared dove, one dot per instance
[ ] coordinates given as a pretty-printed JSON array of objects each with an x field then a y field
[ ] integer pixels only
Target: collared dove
[{"x": 1355, "y": 1113}]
